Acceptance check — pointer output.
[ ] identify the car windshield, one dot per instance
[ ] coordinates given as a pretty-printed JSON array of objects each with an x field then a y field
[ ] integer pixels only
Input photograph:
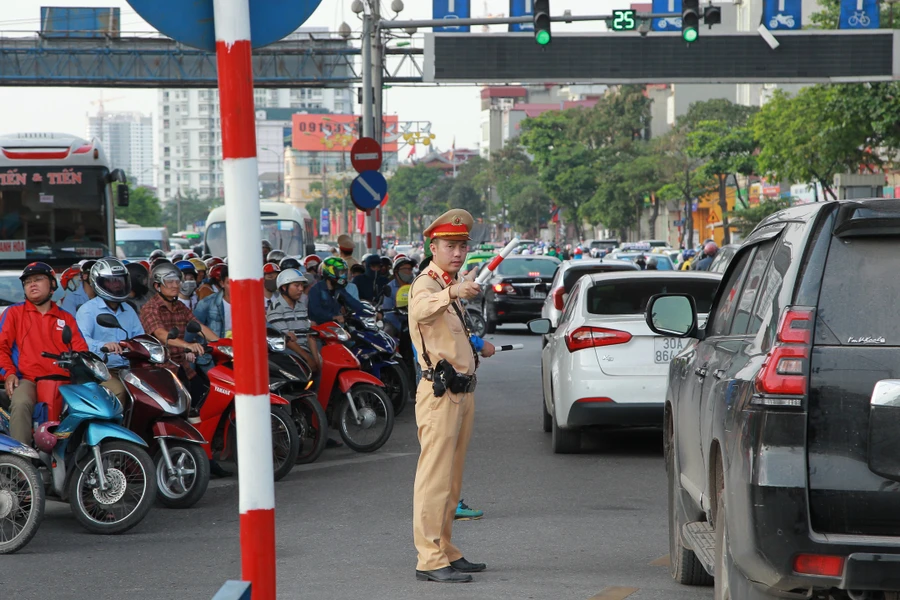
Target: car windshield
[
  {"x": 630, "y": 297},
  {"x": 283, "y": 234},
  {"x": 662, "y": 262},
  {"x": 527, "y": 267},
  {"x": 574, "y": 273},
  {"x": 137, "y": 248},
  {"x": 11, "y": 291}
]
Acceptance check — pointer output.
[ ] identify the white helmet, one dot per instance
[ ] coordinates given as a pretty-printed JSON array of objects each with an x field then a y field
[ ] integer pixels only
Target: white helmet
[{"x": 289, "y": 276}]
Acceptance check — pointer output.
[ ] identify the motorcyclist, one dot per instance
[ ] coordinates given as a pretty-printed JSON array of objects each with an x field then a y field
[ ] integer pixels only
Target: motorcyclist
[
  {"x": 652, "y": 264},
  {"x": 83, "y": 291},
  {"x": 372, "y": 281},
  {"x": 156, "y": 254},
  {"x": 266, "y": 248},
  {"x": 210, "y": 286},
  {"x": 215, "y": 311},
  {"x": 112, "y": 283},
  {"x": 327, "y": 296},
  {"x": 186, "y": 293},
  {"x": 687, "y": 257},
  {"x": 709, "y": 253},
  {"x": 275, "y": 256},
  {"x": 312, "y": 262},
  {"x": 140, "y": 288},
  {"x": 201, "y": 268},
  {"x": 27, "y": 330},
  {"x": 288, "y": 314},
  {"x": 403, "y": 275},
  {"x": 641, "y": 261},
  {"x": 270, "y": 282}
]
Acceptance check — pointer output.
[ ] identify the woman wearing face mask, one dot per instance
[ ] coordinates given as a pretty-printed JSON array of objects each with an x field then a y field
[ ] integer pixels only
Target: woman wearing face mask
[
  {"x": 403, "y": 275},
  {"x": 270, "y": 278},
  {"x": 189, "y": 284}
]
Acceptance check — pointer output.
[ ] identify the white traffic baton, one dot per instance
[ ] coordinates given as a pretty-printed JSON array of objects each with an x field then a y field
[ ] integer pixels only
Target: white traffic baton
[{"x": 492, "y": 266}]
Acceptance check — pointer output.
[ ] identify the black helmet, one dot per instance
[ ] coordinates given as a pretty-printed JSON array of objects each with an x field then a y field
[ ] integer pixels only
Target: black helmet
[
  {"x": 156, "y": 254},
  {"x": 386, "y": 262},
  {"x": 111, "y": 280},
  {"x": 275, "y": 256},
  {"x": 39, "y": 268},
  {"x": 139, "y": 278},
  {"x": 288, "y": 262},
  {"x": 177, "y": 257}
]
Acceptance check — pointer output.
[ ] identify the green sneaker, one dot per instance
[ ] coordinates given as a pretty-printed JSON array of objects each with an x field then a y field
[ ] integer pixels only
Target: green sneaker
[{"x": 464, "y": 513}]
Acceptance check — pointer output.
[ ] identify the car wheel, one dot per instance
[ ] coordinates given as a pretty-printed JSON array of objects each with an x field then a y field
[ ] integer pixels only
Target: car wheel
[
  {"x": 548, "y": 421},
  {"x": 684, "y": 566},
  {"x": 490, "y": 325},
  {"x": 564, "y": 441},
  {"x": 730, "y": 583}
]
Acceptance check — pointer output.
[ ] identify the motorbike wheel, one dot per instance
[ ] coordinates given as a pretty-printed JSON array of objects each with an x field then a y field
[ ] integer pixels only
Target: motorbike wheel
[
  {"x": 476, "y": 323},
  {"x": 312, "y": 427},
  {"x": 376, "y": 418},
  {"x": 285, "y": 442},
  {"x": 21, "y": 503},
  {"x": 396, "y": 386},
  {"x": 188, "y": 484},
  {"x": 131, "y": 477}
]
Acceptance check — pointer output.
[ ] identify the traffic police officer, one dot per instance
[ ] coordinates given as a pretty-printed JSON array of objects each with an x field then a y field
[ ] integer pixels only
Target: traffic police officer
[{"x": 445, "y": 403}]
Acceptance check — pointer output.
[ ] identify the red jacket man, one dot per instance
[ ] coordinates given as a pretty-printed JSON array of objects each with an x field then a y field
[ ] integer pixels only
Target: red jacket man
[{"x": 26, "y": 330}]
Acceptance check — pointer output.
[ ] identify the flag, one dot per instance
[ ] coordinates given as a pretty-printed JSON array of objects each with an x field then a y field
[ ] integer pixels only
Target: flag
[
  {"x": 412, "y": 151},
  {"x": 453, "y": 149}
]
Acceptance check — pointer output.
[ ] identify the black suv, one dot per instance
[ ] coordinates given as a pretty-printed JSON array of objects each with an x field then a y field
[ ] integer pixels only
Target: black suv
[{"x": 782, "y": 419}]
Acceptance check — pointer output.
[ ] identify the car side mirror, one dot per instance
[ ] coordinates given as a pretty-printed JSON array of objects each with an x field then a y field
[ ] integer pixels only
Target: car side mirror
[
  {"x": 672, "y": 315},
  {"x": 540, "y": 326}
]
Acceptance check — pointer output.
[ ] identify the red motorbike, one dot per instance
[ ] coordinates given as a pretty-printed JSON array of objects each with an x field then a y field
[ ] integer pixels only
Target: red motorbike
[
  {"x": 217, "y": 413},
  {"x": 355, "y": 402},
  {"x": 157, "y": 412}
]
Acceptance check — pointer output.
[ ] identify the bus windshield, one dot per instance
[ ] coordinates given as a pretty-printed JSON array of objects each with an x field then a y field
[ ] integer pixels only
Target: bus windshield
[
  {"x": 53, "y": 214},
  {"x": 284, "y": 235}
]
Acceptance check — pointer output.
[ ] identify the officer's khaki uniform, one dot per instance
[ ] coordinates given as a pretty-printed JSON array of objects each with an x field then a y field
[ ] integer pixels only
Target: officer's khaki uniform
[{"x": 445, "y": 423}]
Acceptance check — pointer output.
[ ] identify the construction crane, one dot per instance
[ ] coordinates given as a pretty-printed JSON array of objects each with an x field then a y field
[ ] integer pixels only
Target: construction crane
[
  {"x": 486, "y": 28},
  {"x": 101, "y": 110}
]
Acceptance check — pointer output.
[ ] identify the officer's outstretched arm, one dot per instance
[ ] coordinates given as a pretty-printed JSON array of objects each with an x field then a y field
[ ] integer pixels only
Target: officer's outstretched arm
[{"x": 429, "y": 300}]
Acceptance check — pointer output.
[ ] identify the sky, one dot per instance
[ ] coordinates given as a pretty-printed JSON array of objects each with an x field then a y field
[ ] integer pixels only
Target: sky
[{"x": 454, "y": 111}]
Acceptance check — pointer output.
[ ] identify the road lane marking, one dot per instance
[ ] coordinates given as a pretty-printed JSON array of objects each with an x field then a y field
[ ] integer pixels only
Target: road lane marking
[
  {"x": 221, "y": 483},
  {"x": 662, "y": 561},
  {"x": 615, "y": 592}
]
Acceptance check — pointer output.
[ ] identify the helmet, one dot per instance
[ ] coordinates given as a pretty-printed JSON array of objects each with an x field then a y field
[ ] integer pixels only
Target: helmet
[
  {"x": 199, "y": 265},
  {"x": 146, "y": 264},
  {"x": 110, "y": 280},
  {"x": 165, "y": 271},
  {"x": 217, "y": 272},
  {"x": 139, "y": 275},
  {"x": 206, "y": 257},
  {"x": 270, "y": 267},
  {"x": 156, "y": 254},
  {"x": 710, "y": 249},
  {"x": 689, "y": 253},
  {"x": 335, "y": 269},
  {"x": 401, "y": 260},
  {"x": 372, "y": 261},
  {"x": 160, "y": 260},
  {"x": 86, "y": 265},
  {"x": 178, "y": 256},
  {"x": 44, "y": 438},
  {"x": 69, "y": 276},
  {"x": 267, "y": 245},
  {"x": 189, "y": 255},
  {"x": 402, "y": 298},
  {"x": 39, "y": 268},
  {"x": 311, "y": 261},
  {"x": 288, "y": 262},
  {"x": 275, "y": 256},
  {"x": 185, "y": 266},
  {"x": 289, "y": 276},
  {"x": 215, "y": 260}
]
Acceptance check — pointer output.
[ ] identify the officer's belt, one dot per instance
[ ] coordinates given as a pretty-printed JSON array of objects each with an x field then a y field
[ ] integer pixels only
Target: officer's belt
[{"x": 471, "y": 381}]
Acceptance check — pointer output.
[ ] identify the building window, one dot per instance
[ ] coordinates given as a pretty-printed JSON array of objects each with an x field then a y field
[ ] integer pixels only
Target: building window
[
  {"x": 315, "y": 167},
  {"x": 168, "y": 179},
  {"x": 165, "y": 124},
  {"x": 204, "y": 137},
  {"x": 167, "y": 192},
  {"x": 165, "y": 151},
  {"x": 166, "y": 110},
  {"x": 166, "y": 164},
  {"x": 165, "y": 95},
  {"x": 166, "y": 138}
]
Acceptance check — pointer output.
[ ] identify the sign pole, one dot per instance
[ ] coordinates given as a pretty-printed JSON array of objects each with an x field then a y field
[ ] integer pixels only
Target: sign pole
[
  {"x": 367, "y": 108},
  {"x": 251, "y": 374},
  {"x": 378, "y": 112}
]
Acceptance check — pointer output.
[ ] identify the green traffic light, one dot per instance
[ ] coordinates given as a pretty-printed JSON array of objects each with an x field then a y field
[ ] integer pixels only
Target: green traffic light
[
  {"x": 689, "y": 34},
  {"x": 542, "y": 37}
]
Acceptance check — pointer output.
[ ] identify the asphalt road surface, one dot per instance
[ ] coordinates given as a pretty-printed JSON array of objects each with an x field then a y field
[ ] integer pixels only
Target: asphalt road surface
[{"x": 578, "y": 527}]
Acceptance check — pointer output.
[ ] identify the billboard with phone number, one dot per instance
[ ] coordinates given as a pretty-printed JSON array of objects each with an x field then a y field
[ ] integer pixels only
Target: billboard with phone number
[{"x": 335, "y": 133}]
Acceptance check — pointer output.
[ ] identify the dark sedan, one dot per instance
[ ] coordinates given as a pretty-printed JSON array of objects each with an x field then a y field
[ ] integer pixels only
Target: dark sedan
[{"x": 517, "y": 290}]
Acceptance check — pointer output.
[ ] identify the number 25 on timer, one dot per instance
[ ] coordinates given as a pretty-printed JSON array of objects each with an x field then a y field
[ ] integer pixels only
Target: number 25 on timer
[{"x": 623, "y": 20}]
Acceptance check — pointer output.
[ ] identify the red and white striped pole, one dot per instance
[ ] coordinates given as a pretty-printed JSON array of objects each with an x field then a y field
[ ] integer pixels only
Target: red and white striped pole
[{"x": 251, "y": 372}]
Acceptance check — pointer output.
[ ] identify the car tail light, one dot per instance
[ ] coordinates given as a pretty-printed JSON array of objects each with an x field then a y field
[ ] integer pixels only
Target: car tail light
[
  {"x": 504, "y": 288},
  {"x": 592, "y": 337},
  {"x": 819, "y": 564},
  {"x": 784, "y": 371},
  {"x": 591, "y": 400},
  {"x": 558, "y": 302}
]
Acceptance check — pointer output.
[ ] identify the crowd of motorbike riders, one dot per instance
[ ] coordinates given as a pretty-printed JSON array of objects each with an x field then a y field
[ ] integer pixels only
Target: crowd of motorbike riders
[{"x": 184, "y": 302}]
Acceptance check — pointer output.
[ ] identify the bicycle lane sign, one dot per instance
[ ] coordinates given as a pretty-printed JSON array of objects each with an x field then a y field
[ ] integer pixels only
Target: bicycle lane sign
[{"x": 859, "y": 14}]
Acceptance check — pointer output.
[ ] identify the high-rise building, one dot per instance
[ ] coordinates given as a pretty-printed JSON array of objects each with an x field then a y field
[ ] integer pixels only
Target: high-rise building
[{"x": 127, "y": 138}]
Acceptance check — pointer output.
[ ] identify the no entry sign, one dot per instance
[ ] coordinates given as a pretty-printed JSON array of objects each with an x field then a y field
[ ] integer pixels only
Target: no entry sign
[{"x": 365, "y": 155}]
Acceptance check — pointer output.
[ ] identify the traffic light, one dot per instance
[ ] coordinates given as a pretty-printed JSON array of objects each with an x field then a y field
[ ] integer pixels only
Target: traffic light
[
  {"x": 541, "y": 15},
  {"x": 712, "y": 15},
  {"x": 690, "y": 20}
]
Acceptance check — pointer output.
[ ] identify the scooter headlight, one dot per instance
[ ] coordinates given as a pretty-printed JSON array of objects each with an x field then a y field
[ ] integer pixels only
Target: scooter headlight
[
  {"x": 276, "y": 343},
  {"x": 340, "y": 333},
  {"x": 155, "y": 350},
  {"x": 98, "y": 369},
  {"x": 227, "y": 351}
]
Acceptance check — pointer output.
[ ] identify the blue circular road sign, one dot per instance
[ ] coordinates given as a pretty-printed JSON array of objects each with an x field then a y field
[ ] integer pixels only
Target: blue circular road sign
[
  {"x": 191, "y": 23},
  {"x": 368, "y": 190}
]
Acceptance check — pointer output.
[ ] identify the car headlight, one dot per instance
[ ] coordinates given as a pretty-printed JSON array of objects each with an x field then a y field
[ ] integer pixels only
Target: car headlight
[
  {"x": 98, "y": 369},
  {"x": 227, "y": 351},
  {"x": 276, "y": 343},
  {"x": 155, "y": 350}
]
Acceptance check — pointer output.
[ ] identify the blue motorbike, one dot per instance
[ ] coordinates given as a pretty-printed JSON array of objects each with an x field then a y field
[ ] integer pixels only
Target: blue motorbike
[
  {"x": 377, "y": 354},
  {"x": 21, "y": 494},
  {"x": 98, "y": 466}
]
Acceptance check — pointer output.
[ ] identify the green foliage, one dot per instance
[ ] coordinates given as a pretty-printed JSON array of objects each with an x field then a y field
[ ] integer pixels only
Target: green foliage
[
  {"x": 746, "y": 219},
  {"x": 143, "y": 208},
  {"x": 193, "y": 210},
  {"x": 830, "y": 14},
  {"x": 409, "y": 187}
]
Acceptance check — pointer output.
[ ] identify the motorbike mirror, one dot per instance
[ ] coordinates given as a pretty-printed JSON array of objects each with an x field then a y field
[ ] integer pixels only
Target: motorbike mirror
[
  {"x": 109, "y": 321},
  {"x": 194, "y": 327},
  {"x": 173, "y": 334},
  {"x": 67, "y": 336}
]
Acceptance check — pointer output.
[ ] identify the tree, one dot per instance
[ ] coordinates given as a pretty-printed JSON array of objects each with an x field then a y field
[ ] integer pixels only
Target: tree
[
  {"x": 193, "y": 209},
  {"x": 679, "y": 179},
  {"x": 143, "y": 208},
  {"x": 747, "y": 218},
  {"x": 407, "y": 188}
]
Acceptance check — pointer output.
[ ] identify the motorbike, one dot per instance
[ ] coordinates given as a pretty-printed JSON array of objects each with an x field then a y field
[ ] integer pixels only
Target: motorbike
[
  {"x": 354, "y": 401},
  {"x": 21, "y": 494},
  {"x": 98, "y": 466},
  {"x": 292, "y": 379},
  {"x": 377, "y": 354},
  {"x": 217, "y": 412},
  {"x": 157, "y": 412},
  {"x": 474, "y": 319}
]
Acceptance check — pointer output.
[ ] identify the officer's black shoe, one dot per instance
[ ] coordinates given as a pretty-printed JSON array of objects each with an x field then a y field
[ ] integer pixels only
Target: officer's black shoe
[
  {"x": 217, "y": 470},
  {"x": 464, "y": 566},
  {"x": 445, "y": 575}
]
